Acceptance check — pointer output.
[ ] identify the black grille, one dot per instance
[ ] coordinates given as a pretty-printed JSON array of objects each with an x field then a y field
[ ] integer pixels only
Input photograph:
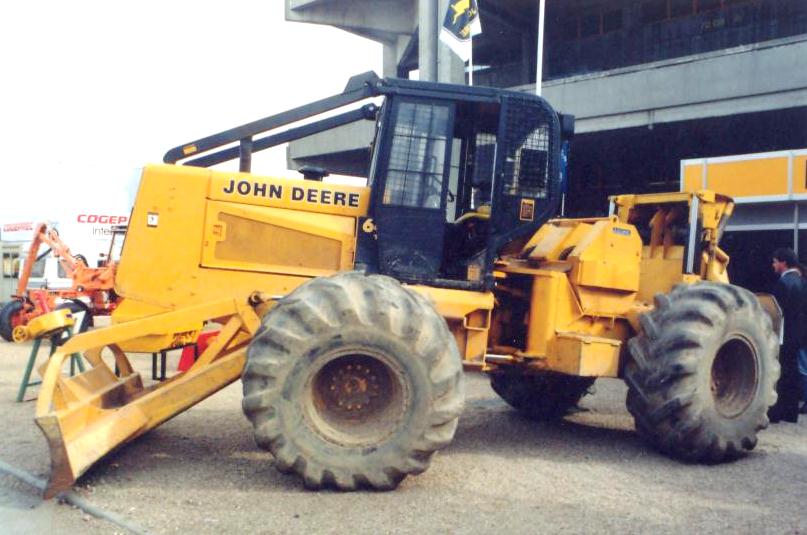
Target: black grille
[{"x": 527, "y": 166}]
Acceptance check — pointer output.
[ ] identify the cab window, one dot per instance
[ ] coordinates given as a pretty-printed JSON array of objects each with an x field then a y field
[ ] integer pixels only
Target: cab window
[{"x": 417, "y": 157}]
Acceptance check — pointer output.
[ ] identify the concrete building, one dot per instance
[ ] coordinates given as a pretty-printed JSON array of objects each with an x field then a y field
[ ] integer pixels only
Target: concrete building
[{"x": 651, "y": 83}]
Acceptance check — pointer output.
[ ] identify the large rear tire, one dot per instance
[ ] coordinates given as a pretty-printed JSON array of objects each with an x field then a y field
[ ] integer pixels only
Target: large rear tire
[
  {"x": 539, "y": 396},
  {"x": 353, "y": 381},
  {"x": 10, "y": 318},
  {"x": 703, "y": 372}
]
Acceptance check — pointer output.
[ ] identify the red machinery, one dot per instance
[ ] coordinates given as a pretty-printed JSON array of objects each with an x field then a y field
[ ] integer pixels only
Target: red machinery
[{"x": 92, "y": 289}]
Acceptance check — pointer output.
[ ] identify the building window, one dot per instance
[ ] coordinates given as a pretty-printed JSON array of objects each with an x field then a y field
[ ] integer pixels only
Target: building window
[
  {"x": 654, "y": 11},
  {"x": 569, "y": 28},
  {"x": 590, "y": 25},
  {"x": 708, "y": 5},
  {"x": 612, "y": 21},
  {"x": 11, "y": 265},
  {"x": 680, "y": 8}
]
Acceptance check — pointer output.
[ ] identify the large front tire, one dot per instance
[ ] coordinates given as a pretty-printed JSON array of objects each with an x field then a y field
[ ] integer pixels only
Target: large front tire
[
  {"x": 353, "y": 381},
  {"x": 703, "y": 372}
]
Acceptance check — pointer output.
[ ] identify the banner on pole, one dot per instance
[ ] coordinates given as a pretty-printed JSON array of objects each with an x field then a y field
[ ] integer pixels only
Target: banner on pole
[{"x": 460, "y": 24}]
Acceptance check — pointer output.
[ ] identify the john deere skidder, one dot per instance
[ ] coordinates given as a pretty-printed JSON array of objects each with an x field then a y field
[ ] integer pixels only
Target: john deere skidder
[{"x": 349, "y": 312}]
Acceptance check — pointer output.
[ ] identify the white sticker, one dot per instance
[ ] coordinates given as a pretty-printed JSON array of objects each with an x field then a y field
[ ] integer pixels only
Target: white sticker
[{"x": 152, "y": 219}]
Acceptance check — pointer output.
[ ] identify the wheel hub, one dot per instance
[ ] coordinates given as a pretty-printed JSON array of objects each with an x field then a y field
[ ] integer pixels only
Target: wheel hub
[
  {"x": 357, "y": 398},
  {"x": 354, "y": 388},
  {"x": 735, "y": 376}
]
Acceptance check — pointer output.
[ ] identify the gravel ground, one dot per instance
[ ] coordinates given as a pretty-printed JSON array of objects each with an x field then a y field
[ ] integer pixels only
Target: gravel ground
[{"x": 202, "y": 472}]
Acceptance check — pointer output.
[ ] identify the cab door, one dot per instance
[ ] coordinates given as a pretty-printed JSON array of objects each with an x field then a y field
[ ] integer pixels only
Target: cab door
[
  {"x": 527, "y": 187},
  {"x": 410, "y": 188}
]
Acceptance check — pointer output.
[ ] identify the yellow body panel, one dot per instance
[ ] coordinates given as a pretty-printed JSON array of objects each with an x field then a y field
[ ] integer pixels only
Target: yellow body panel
[
  {"x": 553, "y": 239},
  {"x": 659, "y": 271},
  {"x": 187, "y": 214},
  {"x": 468, "y": 317},
  {"x": 302, "y": 243},
  {"x": 295, "y": 195},
  {"x": 588, "y": 280},
  {"x": 671, "y": 210},
  {"x": 456, "y": 304},
  {"x": 173, "y": 212},
  {"x": 600, "y": 254},
  {"x": 608, "y": 257},
  {"x": 553, "y": 305},
  {"x": 584, "y": 355},
  {"x": 560, "y": 335}
]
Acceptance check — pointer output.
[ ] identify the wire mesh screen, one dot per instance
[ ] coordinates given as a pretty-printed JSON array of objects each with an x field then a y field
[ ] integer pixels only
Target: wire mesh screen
[
  {"x": 415, "y": 172},
  {"x": 527, "y": 146},
  {"x": 483, "y": 159}
]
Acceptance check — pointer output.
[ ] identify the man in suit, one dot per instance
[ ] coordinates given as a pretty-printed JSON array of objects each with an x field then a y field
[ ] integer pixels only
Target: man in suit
[
  {"x": 803, "y": 372},
  {"x": 790, "y": 291}
]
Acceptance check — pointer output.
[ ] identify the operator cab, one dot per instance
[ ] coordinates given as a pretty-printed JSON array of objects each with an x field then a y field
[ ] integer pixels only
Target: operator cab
[{"x": 457, "y": 173}]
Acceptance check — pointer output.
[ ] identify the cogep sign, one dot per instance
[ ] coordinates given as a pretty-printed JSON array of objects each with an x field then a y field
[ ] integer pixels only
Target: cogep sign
[
  {"x": 23, "y": 231},
  {"x": 100, "y": 219}
]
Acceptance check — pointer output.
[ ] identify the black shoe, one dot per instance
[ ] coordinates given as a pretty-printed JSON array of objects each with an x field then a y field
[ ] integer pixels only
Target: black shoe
[{"x": 803, "y": 409}]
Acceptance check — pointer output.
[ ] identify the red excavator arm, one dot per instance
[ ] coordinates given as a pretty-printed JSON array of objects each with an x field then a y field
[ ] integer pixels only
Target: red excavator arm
[
  {"x": 84, "y": 277},
  {"x": 42, "y": 234}
]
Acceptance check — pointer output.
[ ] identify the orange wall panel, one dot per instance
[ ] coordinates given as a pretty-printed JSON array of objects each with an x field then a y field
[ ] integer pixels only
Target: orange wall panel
[
  {"x": 749, "y": 178},
  {"x": 800, "y": 174},
  {"x": 693, "y": 177}
]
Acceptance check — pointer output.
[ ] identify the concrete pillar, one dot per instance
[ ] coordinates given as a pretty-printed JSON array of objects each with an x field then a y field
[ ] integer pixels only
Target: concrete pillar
[
  {"x": 427, "y": 39},
  {"x": 450, "y": 68},
  {"x": 390, "y": 64}
]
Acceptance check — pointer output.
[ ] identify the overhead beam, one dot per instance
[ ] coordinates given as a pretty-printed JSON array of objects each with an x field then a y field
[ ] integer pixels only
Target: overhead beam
[{"x": 380, "y": 20}]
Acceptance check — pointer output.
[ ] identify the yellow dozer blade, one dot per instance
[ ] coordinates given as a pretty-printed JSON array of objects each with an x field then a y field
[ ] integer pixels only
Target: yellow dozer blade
[{"x": 86, "y": 416}]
